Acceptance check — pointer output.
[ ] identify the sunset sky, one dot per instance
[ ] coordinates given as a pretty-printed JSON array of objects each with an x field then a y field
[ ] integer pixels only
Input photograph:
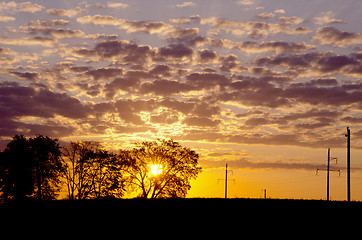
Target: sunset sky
[{"x": 264, "y": 85}]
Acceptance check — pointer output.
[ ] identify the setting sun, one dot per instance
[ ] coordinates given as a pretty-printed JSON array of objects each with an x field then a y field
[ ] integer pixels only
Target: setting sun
[{"x": 156, "y": 169}]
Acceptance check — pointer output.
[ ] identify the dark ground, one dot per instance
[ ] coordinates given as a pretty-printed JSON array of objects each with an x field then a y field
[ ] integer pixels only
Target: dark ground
[
  {"x": 179, "y": 217},
  {"x": 158, "y": 206}
]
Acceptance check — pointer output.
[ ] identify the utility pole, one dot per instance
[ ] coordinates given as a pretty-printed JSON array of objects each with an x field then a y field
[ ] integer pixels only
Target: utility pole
[
  {"x": 348, "y": 135},
  {"x": 329, "y": 158},
  {"x": 226, "y": 180}
]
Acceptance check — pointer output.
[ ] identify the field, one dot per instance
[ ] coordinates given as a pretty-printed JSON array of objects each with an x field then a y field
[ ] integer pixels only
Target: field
[
  {"x": 162, "y": 206},
  {"x": 182, "y": 217}
]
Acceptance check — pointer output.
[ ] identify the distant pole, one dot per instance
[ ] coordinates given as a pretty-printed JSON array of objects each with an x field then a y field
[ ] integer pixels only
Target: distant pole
[
  {"x": 348, "y": 135},
  {"x": 264, "y": 193},
  {"x": 226, "y": 181},
  {"x": 328, "y": 160}
]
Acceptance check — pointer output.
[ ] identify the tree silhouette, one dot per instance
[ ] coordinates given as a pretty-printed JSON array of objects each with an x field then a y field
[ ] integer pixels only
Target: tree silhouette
[
  {"x": 92, "y": 172},
  {"x": 75, "y": 156},
  {"x": 106, "y": 175},
  {"x": 34, "y": 167},
  {"x": 16, "y": 179},
  {"x": 31, "y": 168},
  {"x": 160, "y": 169},
  {"x": 48, "y": 166}
]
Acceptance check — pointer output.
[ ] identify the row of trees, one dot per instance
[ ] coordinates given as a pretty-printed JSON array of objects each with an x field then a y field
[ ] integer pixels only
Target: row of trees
[{"x": 39, "y": 168}]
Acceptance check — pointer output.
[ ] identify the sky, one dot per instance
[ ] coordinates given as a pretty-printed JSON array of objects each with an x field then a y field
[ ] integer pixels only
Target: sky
[{"x": 266, "y": 86}]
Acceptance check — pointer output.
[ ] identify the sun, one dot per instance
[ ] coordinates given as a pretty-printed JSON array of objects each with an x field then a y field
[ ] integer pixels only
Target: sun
[{"x": 156, "y": 169}]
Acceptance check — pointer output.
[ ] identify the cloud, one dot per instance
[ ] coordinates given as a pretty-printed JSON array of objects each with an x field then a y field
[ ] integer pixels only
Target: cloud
[
  {"x": 276, "y": 139},
  {"x": 129, "y": 25},
  {"x": 164, "y": 87},
  {"x": 117, "y": 5},
  {"x": 7, "y": 18},
  {"x": 8, "y": 57},
  {"x": 182, "y": 33},
  {"x": 245, "y": 2},
  {"x": 20, "y": 7},
  {"x": 55, "y": 129},
  {"x": 38, "y": 24},
  {"x": 201, "y": 122},
  {"x": 207, "y": 80},
  {"x": 175, "y": 51},
  {"x": 60, "y": 33},
  {"x": 99, "y": 20},
  {"x": 44, "y": 27},
  {"x": 123, "y": 51},
  {"x": 26, "y": 75},
  {"x": 29, "y": 7},
  {"x": 265, "y": 15},
  {"x": 207, "y": 55},
  {"x": 255, "y": 92},
  {"x": 180, "y": 21},
  {"x": 243, "y": 163},
  {"x": 318, "y": 118},
  {"x": 125, "y": 84},
  {"x": 143, "y": 26},
  {"x": 290, "y": 20},
  {"x": 255, "y": 47},
  {"x": 186, "y": 4},
  {"x": 20, "y": 101},
  {"x": 65, "y": 33},
  {"x": 67, "y": 13},
  {"x": 281, "y": 11},
  {"x": 333, "y": 96},
  {"x": 166, "y": 117},
  {"x": 128, "y": 110},
  {"x": 104, "y": 73},
  {"x": 43, "y": 41},
  {"x": 327, "y": 18},
  {"x": 318, "y": 63},
  {"x": 331, "y": 35},
  {"x": 255, "y": 29}
]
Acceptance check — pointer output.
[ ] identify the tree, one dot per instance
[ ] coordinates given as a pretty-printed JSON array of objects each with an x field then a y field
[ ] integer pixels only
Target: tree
[
  {"x": 31, "y": 168},
  {"x": 92, "y": 172},
  {"x": 48, "y": 167},
  {"x": 16, "y": 175},
  {"x": 161, "y": 169},
  {"x": 75, "y": 157},
  {"x": 106, "y": 175}
]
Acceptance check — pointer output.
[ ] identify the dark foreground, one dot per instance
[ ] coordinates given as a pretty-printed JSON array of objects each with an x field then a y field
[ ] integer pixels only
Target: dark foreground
[
  {"x": 210, "y": 216},
  {"x": 182, "y": 206}
]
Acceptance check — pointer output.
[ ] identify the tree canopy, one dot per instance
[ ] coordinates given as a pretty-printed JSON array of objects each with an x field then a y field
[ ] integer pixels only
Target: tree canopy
[
  {"x": 39, "y": 168},
  {"x": 161, "y": 168},
  {"x": 92, "y": 172},
  {"x": 31, "y": 168}
]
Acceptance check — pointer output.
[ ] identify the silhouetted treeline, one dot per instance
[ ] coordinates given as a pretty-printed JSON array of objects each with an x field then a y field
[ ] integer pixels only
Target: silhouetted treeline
[{"x": 39, "y": 168}]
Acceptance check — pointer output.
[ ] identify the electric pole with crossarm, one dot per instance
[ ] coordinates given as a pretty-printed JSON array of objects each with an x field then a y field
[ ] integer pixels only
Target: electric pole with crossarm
[
  {"x": 226, "y": 180},
  {"x": 329, "y": 158}
]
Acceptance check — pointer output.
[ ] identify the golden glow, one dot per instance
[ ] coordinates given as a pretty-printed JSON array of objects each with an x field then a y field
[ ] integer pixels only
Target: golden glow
[{"x": 156, "y": 169}]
